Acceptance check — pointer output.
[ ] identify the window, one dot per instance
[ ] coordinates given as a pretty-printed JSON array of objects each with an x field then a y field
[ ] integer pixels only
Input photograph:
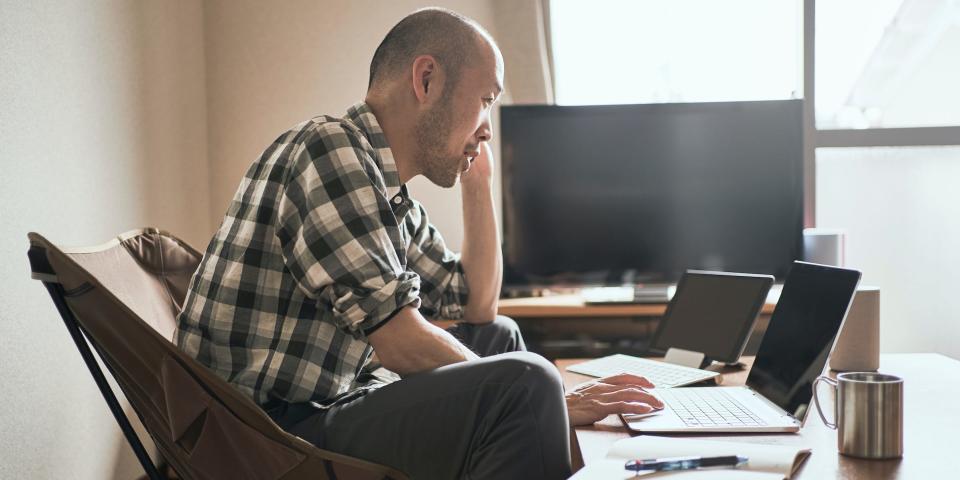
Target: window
[
  {"x": 616, "y": 51},
  {"x": 887, "y": 63},
  {"x": 883, "y": 143},
  {"x": 897, "y": 209}
]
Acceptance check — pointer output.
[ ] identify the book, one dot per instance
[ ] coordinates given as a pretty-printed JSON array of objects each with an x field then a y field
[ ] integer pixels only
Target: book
[{"x": 765, "y": 462}]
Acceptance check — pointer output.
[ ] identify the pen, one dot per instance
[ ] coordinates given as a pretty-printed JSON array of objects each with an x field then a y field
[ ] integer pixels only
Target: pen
[{"x": 684, "y": 463}]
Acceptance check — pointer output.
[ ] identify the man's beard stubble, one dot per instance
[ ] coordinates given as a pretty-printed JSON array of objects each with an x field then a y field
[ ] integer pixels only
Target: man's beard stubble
[{"x": 433, "y": 134}]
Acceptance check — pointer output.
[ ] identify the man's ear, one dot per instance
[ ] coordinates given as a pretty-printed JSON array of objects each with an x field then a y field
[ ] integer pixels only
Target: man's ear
[{"x": 427, "y": 79}]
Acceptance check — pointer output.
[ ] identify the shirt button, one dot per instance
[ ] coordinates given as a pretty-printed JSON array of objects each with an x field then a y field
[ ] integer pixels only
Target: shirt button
[{"x": 398, "y": 199}]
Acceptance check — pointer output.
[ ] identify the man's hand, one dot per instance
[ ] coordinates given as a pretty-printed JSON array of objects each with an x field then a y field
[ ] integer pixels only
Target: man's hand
[
  {"x": 481, "y": 170},
  {"x": 622, "y": 393}
]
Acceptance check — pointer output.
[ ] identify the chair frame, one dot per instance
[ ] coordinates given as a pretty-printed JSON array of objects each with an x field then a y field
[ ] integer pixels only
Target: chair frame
[
  {"x": 80, "y": 340},
  {"x": 315, "y": 461}
]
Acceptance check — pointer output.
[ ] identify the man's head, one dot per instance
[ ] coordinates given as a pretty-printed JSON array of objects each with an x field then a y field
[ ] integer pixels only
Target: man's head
[{"x": 439, "y": 74}]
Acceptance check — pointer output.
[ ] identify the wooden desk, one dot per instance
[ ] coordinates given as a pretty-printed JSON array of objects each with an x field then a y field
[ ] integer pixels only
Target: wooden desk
[
  {"x": 572, "y": 305},
  {"x": 931, "y": 426}
]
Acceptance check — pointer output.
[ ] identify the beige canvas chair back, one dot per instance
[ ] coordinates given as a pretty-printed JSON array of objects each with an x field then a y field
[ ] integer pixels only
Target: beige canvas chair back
[{"x": 125, "y": 296}]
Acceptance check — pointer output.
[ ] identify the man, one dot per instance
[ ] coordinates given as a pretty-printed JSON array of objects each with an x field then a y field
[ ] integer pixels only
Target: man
[{"x": 323, "y": 260}]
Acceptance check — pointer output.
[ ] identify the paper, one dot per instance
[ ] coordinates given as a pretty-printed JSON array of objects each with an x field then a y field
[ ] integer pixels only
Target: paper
[
  {"x": 766, "y": 462},
  {"x": 613, "y": 470}
]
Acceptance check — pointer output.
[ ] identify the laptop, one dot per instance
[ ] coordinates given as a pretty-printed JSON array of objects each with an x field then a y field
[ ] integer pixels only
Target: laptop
[{"x": 794, "y": 350}]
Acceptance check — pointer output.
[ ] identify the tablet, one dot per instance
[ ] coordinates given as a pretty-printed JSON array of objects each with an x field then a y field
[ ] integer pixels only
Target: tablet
[{"x": 712, "y": 313}]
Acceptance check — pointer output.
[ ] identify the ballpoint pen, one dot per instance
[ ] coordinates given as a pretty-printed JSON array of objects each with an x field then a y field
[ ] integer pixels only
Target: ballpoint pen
[{"x": 684, "y": 463}]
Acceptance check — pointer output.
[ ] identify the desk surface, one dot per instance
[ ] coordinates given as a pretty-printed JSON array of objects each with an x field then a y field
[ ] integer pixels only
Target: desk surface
[{"x": 931, "y": 422}]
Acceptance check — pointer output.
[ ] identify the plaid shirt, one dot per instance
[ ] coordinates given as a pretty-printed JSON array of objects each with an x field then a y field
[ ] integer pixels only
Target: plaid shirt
[{"x": 320, "y": 246}]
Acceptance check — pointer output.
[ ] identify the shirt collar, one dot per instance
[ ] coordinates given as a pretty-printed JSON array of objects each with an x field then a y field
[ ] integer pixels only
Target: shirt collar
[{"x": 361, "y": 115}]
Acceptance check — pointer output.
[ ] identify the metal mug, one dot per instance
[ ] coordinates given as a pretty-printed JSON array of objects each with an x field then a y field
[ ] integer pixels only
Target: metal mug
[{"x": 868, "y": 413}]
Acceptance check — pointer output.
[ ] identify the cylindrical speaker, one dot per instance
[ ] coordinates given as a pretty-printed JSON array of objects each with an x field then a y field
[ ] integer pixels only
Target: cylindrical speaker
[
  {"x": 823, "y": 246},
  {"x": 858, "y": 347}
]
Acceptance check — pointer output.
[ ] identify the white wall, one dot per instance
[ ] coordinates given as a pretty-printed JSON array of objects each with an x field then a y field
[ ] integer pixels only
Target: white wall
[
  {"x": 102, "y": 129},
  {"x": 274, "y": 64}
]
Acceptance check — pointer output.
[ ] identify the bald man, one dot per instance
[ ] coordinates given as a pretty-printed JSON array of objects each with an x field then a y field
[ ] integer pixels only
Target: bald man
[{"x": 323, "y": 260}]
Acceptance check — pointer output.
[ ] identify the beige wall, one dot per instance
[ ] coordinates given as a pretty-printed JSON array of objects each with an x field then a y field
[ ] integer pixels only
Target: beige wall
[
  {"x": 102, "y": 129},
  {"x": 274, "y": 64},
  {"x": 116, "y": 114}
]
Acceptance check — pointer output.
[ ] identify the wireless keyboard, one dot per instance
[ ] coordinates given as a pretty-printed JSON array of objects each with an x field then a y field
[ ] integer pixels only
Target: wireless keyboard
[{"x": 660, "y": 373}]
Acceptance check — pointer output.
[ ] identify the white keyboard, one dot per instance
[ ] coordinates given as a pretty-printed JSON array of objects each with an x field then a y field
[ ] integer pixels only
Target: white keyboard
[
  {"x": 660, "y": 373},
  {"x": 708, "y": 407}
]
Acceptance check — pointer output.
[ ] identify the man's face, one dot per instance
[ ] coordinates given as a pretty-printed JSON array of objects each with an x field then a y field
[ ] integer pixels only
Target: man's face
[{"x": 450, "y": 131}]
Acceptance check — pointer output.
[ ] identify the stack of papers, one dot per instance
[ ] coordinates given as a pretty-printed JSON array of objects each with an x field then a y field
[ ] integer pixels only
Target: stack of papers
[{"x": 766, "y": 462}]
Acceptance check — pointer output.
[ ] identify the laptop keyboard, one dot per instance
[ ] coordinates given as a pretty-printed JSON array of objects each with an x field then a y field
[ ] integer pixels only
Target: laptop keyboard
[
  {"x": 708, "y": 407},
  {"x": 660, "y": 373}
]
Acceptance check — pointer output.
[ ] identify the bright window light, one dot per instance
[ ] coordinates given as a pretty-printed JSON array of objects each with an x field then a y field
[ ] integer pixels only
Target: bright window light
[
  {"x": 887, "y": 63},
  {"x": 624, "y": 51}
]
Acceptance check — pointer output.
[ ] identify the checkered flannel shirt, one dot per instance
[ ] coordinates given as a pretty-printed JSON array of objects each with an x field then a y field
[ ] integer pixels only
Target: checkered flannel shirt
[{"x": 320, "y": 246}]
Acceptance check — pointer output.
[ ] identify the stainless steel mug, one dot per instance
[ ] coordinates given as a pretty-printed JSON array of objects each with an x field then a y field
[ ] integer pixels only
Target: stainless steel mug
[{"x": 868, "y": 413}]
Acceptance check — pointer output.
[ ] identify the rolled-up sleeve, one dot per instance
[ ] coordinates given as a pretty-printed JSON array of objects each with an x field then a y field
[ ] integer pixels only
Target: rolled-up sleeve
[
  {"x": 339, "y": 238},
  {"x": 443, "y": 285}
]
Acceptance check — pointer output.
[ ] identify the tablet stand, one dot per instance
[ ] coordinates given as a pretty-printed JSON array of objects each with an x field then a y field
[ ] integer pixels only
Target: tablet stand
[{"x": 686, "y": 358}]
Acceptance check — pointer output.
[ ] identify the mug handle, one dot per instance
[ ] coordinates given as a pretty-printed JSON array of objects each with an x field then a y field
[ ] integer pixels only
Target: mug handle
[{"x": 816, "y": 400}]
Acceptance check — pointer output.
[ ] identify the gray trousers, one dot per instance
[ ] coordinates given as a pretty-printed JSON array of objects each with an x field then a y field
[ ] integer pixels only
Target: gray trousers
[{"x": 501, "y": 417}]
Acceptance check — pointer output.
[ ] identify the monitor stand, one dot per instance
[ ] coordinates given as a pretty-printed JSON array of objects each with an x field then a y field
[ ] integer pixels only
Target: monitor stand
[
  {"x": 735, "y": 365},
  {"x": 686, "y": 358}
]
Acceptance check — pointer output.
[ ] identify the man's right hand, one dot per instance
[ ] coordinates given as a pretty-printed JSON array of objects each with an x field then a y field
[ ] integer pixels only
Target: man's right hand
[
  {"x": 618, "y": 394},
  {"x": 408, "y": 344}
]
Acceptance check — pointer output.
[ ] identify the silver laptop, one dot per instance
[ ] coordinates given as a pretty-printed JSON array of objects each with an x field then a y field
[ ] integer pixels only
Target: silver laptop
[{"x": 794, "y": 350}]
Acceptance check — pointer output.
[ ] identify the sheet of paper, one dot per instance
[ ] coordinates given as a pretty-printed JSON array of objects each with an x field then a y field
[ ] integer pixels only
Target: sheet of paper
[
  {"x": 613, "y": 470},
  {"x": 779, "y": 459}
]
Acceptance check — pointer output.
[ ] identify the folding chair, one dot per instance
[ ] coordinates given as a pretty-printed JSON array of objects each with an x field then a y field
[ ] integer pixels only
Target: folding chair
[{"x": 123, "y": 297}]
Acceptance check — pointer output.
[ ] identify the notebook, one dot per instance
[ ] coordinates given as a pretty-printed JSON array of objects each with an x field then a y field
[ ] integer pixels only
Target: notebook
[
  {"x": 765, "y": 462},
  {"x": 803, "y": 328}
]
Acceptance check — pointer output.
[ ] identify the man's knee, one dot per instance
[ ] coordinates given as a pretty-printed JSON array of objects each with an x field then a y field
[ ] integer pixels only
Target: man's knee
[
  {"x": 499, "y": 336},
  {"x": 505, "y": 325},
  {"x": 529, "y": 369}
]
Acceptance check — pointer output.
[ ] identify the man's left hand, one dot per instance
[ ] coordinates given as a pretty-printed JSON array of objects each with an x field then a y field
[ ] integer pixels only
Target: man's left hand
[{"x": 619, "y": 394}]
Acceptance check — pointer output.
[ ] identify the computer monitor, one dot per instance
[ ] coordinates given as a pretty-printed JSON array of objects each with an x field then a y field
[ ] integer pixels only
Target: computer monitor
[{"x": 631, "y": 193}]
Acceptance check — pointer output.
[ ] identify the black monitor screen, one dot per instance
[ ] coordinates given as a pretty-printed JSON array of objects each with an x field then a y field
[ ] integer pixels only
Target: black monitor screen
[
  {"x": 599, "y": 194},
  {"x": 802, "y": 330}
]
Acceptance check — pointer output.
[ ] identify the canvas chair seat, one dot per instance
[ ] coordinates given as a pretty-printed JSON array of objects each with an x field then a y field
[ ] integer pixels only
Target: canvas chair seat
[{"x": 124, "y": 297}]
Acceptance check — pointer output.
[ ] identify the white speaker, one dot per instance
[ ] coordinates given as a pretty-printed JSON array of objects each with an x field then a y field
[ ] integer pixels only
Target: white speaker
[
  {"x": 858, "y": 346},
  {"x": 823, "y": 246}
]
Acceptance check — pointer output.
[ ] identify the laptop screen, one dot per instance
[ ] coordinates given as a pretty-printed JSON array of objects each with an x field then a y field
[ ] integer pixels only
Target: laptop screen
[{"x": 801, "y": 333}]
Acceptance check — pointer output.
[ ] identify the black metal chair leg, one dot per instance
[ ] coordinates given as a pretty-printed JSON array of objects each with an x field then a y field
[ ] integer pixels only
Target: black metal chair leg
[{"x": 56, "y": 291}]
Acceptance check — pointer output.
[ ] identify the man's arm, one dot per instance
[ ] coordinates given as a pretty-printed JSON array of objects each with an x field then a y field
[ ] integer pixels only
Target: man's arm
[
  {"x": 408, "y": 344},
  {"x": 480, "y": 256}
]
